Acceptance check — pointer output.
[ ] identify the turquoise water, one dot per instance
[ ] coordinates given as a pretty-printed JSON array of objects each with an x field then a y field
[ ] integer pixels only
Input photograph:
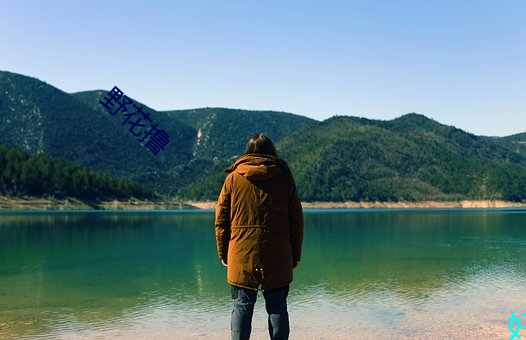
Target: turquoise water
[{"x": 364, "y": 274}]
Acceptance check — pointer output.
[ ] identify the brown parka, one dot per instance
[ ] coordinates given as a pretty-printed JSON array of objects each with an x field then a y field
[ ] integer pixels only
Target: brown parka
[{"x": 259, "y": 222}]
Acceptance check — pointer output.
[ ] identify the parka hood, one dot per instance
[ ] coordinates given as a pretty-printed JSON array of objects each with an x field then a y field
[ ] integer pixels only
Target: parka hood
[{"x": 258, "y": 167}]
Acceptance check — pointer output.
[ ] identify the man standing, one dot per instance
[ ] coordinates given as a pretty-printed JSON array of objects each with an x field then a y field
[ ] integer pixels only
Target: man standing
[{"x": 259, "y": 233}]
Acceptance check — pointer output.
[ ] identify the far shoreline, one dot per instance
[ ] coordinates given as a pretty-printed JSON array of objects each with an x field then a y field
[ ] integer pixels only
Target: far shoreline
[{"x": 74, "y": 204}]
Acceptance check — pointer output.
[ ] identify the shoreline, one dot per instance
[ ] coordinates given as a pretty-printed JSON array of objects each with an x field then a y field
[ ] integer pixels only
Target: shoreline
[{"x": 66, "y": 204}]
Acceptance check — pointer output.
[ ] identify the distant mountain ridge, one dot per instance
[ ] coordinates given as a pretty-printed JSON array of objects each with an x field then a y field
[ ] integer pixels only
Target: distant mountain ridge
[
  {"x": 40, "y": 118},
  {"x": 342, "y": 158},
  {"x": 516, "y": 142},
  {"x": 408, "y": 158}
]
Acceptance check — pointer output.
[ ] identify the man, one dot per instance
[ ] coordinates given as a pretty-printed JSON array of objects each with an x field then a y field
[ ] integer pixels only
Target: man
[{"x": 259, "y": 233}]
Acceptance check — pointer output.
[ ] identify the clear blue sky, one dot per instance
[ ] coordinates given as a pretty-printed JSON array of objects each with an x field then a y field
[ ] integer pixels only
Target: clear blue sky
[{"x": 460, "y": 62}]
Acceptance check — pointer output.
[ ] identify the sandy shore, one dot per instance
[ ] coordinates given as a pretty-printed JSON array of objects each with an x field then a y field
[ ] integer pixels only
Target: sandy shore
[
  {"x": 412, "y": 205},
  {"x": 31, "y": 203},
  {"x": 393, "y": 205}
]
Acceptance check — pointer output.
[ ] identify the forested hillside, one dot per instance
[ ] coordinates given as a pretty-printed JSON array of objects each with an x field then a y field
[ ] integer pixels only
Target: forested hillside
[
  {"x": 410, "y": 158},
  {"x": 40, "y": 176},
  {"x": 223, "y": 133},
  {"x": 38, "y": 117},
  {"x": 515, "y": 143}
]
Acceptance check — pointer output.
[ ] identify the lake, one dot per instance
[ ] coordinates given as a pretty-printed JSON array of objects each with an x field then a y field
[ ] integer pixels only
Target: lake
[{"x": 364, "y": 274}]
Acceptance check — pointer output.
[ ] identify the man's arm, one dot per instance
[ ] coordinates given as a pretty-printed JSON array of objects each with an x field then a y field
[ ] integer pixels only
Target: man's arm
[
  {"x": 295, "y": 225},
  {"x": 222, "y": 221}
]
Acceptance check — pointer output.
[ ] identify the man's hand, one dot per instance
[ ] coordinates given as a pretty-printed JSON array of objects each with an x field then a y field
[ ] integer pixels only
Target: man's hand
[
  {"x": 224, "y": 263},
  {"x": 295, "y": 264}
]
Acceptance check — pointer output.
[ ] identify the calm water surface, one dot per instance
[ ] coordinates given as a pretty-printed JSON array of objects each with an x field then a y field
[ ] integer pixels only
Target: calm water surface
[{"x": 365, "y": 274}]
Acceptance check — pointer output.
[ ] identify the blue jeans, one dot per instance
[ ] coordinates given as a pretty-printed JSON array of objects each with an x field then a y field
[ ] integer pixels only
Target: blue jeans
[{"x": 243, "y": 308}]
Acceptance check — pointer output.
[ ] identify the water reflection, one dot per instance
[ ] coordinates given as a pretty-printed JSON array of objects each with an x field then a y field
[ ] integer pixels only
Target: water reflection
[{"x": 388, "y": 271}]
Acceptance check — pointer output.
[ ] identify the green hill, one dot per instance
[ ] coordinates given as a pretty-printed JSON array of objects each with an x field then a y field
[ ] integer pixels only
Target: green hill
[
  {"x": 224, "y": 132},
  {"x": 40, "y": 118},
  {"x": 342, "y": 158},
  {"x": 515, "y": 143},
  {"x": 25, "y": 174},
  {"x": 410, "y": 158}
]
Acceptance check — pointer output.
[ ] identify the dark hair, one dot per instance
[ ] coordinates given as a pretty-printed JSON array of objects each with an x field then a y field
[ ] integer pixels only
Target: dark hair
[{"x": 261, "y": 144}]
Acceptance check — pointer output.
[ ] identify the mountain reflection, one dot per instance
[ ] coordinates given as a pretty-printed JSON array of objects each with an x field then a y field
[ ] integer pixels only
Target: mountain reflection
[{"x": 82, "y": 270}]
